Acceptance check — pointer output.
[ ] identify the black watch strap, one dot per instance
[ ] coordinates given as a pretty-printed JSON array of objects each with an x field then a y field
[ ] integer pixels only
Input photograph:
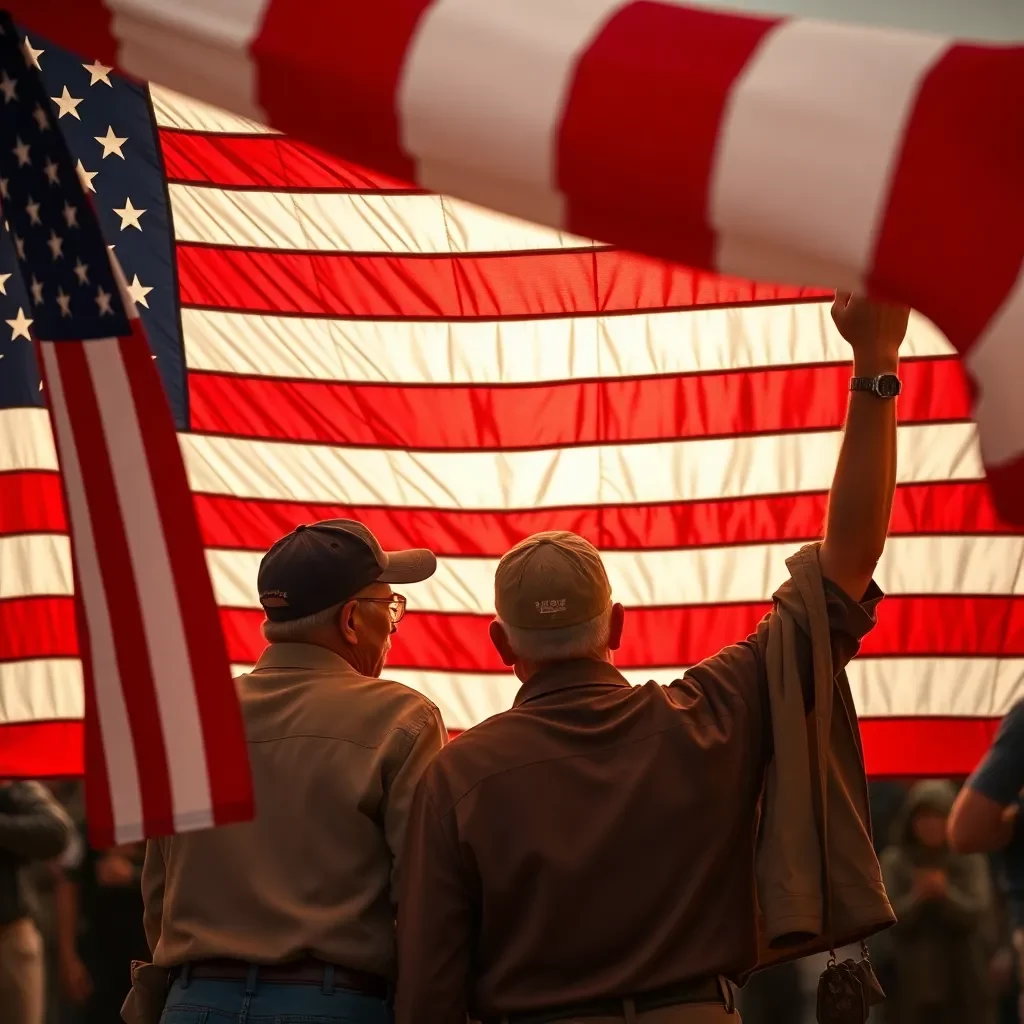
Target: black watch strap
[{"x": 885, "y": 385}]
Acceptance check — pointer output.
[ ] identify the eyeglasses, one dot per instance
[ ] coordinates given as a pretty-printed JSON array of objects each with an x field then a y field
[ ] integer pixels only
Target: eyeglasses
[{"x": 395, "y": 603}]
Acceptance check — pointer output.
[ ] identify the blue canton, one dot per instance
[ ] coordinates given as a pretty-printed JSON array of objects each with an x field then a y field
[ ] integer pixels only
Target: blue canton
[{"x": 108, "y": 126}]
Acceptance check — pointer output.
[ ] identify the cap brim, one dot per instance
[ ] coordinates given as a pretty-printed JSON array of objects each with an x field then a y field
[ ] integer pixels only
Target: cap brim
[{"x": 408, "y": 566}]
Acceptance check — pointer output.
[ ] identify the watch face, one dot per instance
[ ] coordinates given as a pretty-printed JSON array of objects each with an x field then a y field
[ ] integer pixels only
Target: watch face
[{"x": 888, "y": 385}]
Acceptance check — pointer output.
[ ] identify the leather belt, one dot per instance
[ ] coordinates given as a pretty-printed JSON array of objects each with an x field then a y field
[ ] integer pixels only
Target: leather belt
[
  {"x": 308, "y": 971},
  {"x": 702, "y": 990}
]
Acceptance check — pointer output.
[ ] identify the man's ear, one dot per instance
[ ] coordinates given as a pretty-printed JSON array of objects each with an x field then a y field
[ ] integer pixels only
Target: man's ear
[
  {"x": 500, "y": 640},
  {"x": 347, "y": 622},
  {"x": 615, "y": 627}
]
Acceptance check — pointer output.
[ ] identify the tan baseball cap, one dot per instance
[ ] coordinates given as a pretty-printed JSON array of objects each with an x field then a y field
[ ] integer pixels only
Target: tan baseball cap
[{"x": 551, "y": 580}]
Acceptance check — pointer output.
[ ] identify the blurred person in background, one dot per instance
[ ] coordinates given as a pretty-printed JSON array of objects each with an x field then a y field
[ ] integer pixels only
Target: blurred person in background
[
  {"x": 33, "y": 827},
  {"x": 942, "y": 944},
  {"x": 99, "y": 929}
]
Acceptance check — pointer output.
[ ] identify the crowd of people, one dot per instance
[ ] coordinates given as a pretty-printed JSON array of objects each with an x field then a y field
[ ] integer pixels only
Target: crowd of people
[{"x": 599, "y": 852}]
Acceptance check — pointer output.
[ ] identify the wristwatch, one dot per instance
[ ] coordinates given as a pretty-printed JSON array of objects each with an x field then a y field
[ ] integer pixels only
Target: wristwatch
[{"x": 885, "y": 385}]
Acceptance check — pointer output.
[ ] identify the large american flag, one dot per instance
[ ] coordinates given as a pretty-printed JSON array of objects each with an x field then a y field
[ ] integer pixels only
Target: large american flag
[{"x": 336, "y": 343}]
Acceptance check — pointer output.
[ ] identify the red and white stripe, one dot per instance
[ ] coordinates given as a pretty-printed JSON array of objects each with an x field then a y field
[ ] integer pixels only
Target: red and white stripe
[
  {"x": 458, "y": 379},
  {"x": 164, "y": 746},
  {"x": 775, "y": 148}
]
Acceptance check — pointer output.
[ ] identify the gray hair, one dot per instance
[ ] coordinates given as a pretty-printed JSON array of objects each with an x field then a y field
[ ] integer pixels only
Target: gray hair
[
  {"x": 586, "y": 640},
  {"x": 297, "y": 631}
]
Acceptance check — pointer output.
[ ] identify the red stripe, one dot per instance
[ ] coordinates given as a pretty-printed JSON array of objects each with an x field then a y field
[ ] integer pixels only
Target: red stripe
[
  {"x": 350, "y": 56},
  {"x": 958, "y": 157},
  {"x": 119, "y": 583},
  {"x": 645, "y": 107},
  {"x": 39, "y": 750},
  {"x": 227, "y": 761},
  {"x": 255, "y": 525},
  {"x": 560, "y": 414},
  {"x": 264, "y": 161},
  {"x": 82, "y": 26},
  {"x": 31, "y": 502},
  {"x": 37, "y": 627},
  {"x": 384, "y": 286},
  {"x": 917, "y": 747},
  {"x": 925, "y": 747},
  {"x": 907, "y": 626}
]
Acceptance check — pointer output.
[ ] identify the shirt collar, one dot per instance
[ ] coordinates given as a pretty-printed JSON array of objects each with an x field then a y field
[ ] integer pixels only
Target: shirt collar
[
  {"x": 308, "y": 656},
  {"x": 564, "y": 675}
]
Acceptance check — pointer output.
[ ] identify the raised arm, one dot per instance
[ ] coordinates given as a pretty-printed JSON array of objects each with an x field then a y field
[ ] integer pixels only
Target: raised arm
[{"x": 862, "y": 489}]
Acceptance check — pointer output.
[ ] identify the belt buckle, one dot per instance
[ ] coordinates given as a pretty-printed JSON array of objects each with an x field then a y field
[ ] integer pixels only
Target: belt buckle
[{"x": 728, "y": 993}]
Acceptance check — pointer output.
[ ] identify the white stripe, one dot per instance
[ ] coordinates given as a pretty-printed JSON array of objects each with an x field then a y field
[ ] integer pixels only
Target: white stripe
[
  {"x": 485, "y": 84},
  {"x": 27, "y": 442},
  {"x": 810, "y": 138},
  {"x": 526, "y": 351},
  {"x": 882, "y": 688},
  {"x": 115, "y": 729},
  {"x": 931, "y": 564},
  {"x": 175, "y": 110},
  {"x": 41, "y": 689},
  {"x": 553, "y": 478},
  {"x": 996, "y": 361},
  {"x": 166, "y": 641},
  {"x": 193, "y": 45},
  {"x": 927, "y": 564},
  {"x": 344, "y": 222}
]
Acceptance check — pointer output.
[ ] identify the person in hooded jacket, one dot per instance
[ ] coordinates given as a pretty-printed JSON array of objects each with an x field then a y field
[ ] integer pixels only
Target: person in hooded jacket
[{"x": 941, "y": 945}]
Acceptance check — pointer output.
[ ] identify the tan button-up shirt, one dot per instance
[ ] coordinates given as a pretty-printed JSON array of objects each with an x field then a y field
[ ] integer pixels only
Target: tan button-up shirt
[{"x": 335, "y": 757}]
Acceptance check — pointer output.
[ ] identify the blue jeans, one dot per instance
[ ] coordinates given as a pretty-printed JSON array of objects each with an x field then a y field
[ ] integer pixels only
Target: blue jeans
[{"x": 209, "y": 1001}]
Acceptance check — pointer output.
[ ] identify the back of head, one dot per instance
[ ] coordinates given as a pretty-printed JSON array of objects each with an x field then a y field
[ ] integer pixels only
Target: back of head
[{"x": 554, "y": 602}]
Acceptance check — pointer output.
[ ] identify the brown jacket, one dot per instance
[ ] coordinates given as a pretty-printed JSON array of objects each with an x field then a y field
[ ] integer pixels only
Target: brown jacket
[
  {"x": 815, "y": 787},
  {"x": 599, "y": 839},
  {"x": 335, "y": 757}
]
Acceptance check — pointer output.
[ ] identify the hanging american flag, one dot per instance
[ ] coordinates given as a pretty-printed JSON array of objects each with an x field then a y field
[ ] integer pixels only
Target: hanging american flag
[
  {"x": 334, "y": 342},
  {"x": 164, "y": 745}
]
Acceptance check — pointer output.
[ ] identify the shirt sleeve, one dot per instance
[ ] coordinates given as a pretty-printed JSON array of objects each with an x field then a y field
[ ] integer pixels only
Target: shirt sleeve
[
  {"x": 737, "y": 675},
  {"x": 436, "y": 921},
  {"x": 427, "y": 740},
  {"x": 1000, "y": 776},
  {"x": 154, "y": 876}
]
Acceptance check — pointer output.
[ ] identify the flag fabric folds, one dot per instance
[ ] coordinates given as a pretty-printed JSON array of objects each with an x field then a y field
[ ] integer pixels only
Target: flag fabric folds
[
  {"x": 164, "y": 746},
  {"x": 775, "y": 148},
  {"x": 335, "y": 342}
]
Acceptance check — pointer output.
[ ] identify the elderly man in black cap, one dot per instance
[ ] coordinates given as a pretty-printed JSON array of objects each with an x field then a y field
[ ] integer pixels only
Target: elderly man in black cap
[{"x": 293, "y": 914}]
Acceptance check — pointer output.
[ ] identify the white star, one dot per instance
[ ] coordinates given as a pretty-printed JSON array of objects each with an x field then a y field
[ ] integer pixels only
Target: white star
[
  {"x": 21, "y": 152},
  {"x": 3, "y": 283},
  {"x": 129, "y": 215},
  {"x": 103, "y": 301},
  {"x": 71, "y": 215},
  {"x": 37, "y": 291},
  {"x": 32, "y": 209},
  {"x": 56, "y": 243},
  {"x": 85, "y": 177},
  {"x": 31, "y": 55},
  {"x": 64, "y": 301},
  {"x": 98, "y": 73},
  {"x": 42, "y": 118},
  {"x": 66, "y": 104},
  {"x": 52, "y": 171},
  {"x": 82, "y": 271},
  {"x": 111, "y": 143},
  {"x": 19, "y": 244},
  {"x": 8, "y": 86},
  {"x": 4, "y": 182},
  {"x": 138, "y": 291},
  {"x": 19, "y": 326}
]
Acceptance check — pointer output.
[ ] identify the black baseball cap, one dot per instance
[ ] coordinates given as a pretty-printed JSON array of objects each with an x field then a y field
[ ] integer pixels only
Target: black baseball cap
[{"x": 316, "y": 566}]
